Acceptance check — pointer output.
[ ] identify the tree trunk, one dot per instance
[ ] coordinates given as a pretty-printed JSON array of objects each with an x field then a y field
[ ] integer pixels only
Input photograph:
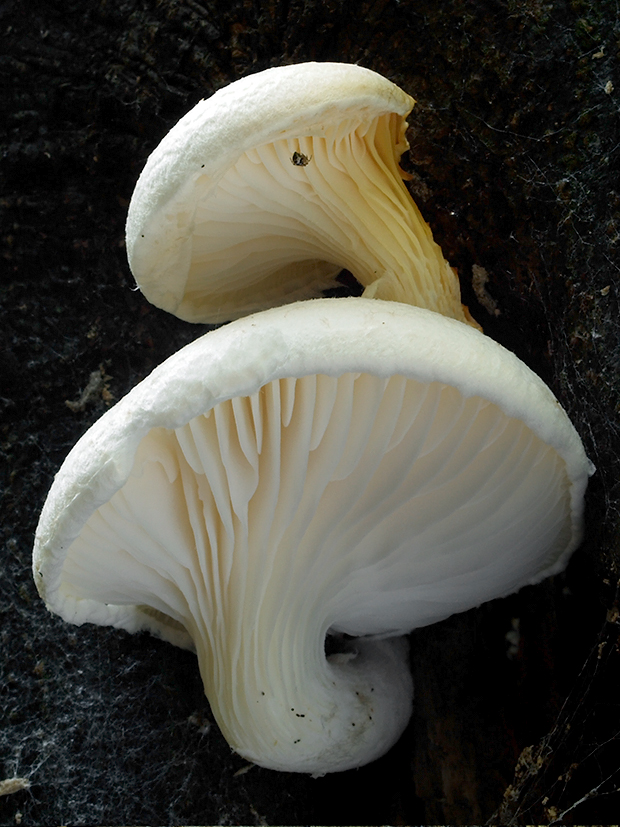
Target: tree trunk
[{"x": 514, "y": 163}]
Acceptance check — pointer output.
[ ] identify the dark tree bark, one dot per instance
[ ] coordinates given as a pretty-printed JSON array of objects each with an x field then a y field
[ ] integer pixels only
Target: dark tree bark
[{"x": 515, "y": 165}]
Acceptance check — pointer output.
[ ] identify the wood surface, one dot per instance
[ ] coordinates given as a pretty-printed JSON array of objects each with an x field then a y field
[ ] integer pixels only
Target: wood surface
[{"x": 514, "y": 157}]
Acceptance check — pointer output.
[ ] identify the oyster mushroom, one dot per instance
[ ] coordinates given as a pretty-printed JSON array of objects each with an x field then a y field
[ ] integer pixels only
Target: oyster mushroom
[
  {"x": 264, "y": 192},
  {"x": 337, "y": 466}
]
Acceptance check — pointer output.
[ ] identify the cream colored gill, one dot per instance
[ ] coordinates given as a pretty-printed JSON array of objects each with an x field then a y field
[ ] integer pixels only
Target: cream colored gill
[
  {"x": 355, "y": 504},
  {"x": 273, "y": 231}
]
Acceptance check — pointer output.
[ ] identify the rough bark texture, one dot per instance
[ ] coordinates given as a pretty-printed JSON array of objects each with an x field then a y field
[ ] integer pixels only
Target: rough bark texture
[{"x": 515, "y": 162}]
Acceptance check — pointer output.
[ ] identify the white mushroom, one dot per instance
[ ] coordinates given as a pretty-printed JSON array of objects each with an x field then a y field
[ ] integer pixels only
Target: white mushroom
[
  {"x": 261, "y": 194},
  {"x": 333, "y": 466}
]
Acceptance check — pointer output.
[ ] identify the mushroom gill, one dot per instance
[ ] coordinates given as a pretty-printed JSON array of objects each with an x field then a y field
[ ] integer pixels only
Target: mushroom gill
[{"x": 282, "y": 231}]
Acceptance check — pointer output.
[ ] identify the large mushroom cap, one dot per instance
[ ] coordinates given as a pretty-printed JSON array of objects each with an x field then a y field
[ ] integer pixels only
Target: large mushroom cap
[
  {"x": 352, "y": 466},
  {"x": 261, "y": 194}
]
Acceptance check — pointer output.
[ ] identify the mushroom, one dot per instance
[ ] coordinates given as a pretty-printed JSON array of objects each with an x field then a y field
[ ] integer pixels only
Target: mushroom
[
  {"x": 264, "y": 192},
  {"x": 347, "y": 467}
]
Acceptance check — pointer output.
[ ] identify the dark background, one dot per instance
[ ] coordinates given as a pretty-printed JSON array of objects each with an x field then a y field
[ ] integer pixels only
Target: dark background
[{"x": 515, "y": 160}]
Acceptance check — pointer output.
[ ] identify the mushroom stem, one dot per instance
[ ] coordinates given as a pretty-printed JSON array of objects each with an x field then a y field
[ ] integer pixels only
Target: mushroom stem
[{"x": 299, "y": 710}]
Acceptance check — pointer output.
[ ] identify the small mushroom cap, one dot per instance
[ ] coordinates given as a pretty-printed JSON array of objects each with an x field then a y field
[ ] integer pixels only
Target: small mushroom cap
[
  {"x": 333, "y": 466},
  {"x": 264, "y": 192}
]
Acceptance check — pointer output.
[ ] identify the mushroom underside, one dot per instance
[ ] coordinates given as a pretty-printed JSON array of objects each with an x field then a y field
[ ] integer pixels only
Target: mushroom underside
[
  {"x": 269, "y": 230},
  {"x": 354, "y": 504}
]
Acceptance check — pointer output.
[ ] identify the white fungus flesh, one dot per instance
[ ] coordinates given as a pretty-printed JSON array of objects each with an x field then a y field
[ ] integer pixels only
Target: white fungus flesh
[
  {"x": 334, "y": 466},
  {"x": 264, "y": 192}
]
